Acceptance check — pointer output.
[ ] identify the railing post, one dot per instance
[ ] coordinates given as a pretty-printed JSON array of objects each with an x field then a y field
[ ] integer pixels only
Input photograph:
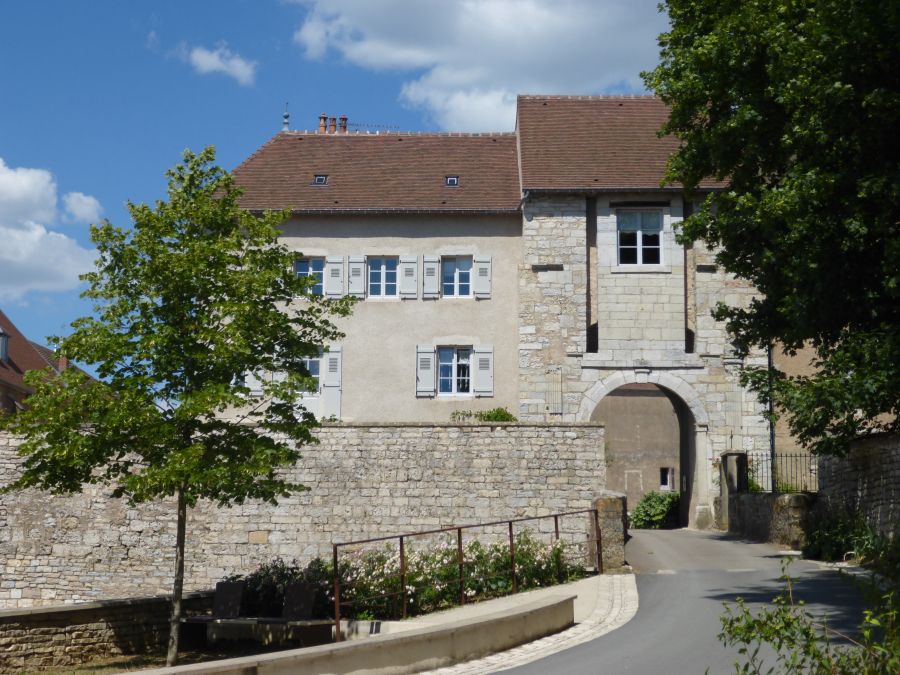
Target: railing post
[
  {"x": 599, "y": 542},
  {"x": 403, "y": 575},
  {"x": 556, "y": 525},
  {"x": 337, "y": 596},
  {"x": 512, "y": 558},
  {"x": 462, "y": 578}
]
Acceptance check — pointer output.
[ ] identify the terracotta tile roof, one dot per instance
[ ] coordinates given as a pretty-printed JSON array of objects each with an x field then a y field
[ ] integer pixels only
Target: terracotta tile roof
[
  {"x": 593, "y": 142},
  {"x": 382, "y": 172},
  {"x": 22, "y": 356}
]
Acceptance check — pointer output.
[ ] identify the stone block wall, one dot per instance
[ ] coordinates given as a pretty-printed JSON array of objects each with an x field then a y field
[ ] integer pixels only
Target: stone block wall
[
  {"x": 553, "y": 288},
  {"x": 365, "y": 480},
  {"x": 68, "y": 636},
  {"x": 763, "y": 516},
  {"x": 867, "y": 480}
]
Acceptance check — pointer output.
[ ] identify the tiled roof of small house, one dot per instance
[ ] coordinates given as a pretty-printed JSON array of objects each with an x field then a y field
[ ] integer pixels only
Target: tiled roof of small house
[
  {"x": 383, "y": 172},
  {"x": 22, "y": 356},
  {"x": 585, "y": 143}
]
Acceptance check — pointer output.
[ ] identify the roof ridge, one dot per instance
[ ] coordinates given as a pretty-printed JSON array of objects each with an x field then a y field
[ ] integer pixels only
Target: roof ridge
[
  {"x": 587, "y": 97},
  {"x": 378, "y": 134}
]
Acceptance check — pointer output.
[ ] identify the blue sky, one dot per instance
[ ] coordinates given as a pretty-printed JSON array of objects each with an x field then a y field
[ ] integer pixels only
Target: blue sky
[{"x": 99, "y": 98}]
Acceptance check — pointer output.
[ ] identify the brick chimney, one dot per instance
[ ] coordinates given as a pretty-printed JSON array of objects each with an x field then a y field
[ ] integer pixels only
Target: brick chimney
[
  {"x": 63, "y": 362},
  {"x": 332, "y": 125},
  {"x": 323, "y": 120},
  {"x": 343, "y": 126}
]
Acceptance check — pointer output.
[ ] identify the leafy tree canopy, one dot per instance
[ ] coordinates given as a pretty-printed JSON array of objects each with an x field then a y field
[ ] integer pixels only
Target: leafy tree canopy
[
  {"x": 197, "y": 294},
  {"x": 795, "y": 106}
]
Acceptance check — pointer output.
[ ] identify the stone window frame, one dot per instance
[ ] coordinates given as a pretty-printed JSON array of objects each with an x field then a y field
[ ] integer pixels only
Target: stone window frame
[{"x": 639, "y": 246}]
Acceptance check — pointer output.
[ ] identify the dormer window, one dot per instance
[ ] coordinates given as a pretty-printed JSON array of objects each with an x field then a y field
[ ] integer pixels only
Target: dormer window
[
  {"x": 451, "y": 181},
  {"x": 320, "y": 179}
]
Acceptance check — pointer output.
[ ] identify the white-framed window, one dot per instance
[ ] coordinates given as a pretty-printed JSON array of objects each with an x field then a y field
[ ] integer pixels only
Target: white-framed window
[
  {"x": 313, "y": 365},
  {"x": 454, "y": 370},
  {"x": 382, "y": 272},
  {"x": 456, "y": 276},
  {"x": 639, "y": 236},
  {"x": 311, "y": 267}
]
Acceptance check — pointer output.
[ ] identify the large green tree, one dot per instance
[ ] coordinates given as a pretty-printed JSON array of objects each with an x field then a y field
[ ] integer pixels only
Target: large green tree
[
  {"x": 795, "y": 106},
  {"x": 194, "y": 296}
]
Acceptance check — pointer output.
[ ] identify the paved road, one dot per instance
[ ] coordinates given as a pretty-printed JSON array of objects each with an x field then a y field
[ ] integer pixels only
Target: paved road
[{"x": 683, "y": 578}]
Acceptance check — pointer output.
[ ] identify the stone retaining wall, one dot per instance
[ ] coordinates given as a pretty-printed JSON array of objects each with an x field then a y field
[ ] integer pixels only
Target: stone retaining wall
[
  {"x": 64, "y": 636},
  {"x": 763, "y": 516},
  {"x": 365, "y": 480},
  {"x": 867, "y": 480}
]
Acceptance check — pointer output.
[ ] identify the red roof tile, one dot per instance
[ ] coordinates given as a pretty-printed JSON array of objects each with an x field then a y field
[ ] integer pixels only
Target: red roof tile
[
  {"x": 22, "y": 356},
  {"x": 382, "y": 172},
  {"x": 588, "y": 143}
]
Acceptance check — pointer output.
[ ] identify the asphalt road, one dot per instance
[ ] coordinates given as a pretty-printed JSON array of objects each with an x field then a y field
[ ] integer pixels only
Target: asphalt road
[{"x": 683, "y": 577}]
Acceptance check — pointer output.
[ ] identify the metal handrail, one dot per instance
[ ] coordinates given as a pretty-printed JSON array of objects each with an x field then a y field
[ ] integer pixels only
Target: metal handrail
[{"x": 460, "y": 554}]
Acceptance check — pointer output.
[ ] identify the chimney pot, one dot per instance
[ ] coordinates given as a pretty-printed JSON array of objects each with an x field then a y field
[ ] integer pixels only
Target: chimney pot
[
  {"x": 332, "y": 125},
  {"x": 343, "y": 124},
  {"x": 323, "y": 121}
]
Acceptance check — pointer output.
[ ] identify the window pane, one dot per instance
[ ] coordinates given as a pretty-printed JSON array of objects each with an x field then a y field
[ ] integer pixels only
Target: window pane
[
  {"x": 651, "y": 221},
  {"x": 318, "y": 264},
  {"x": 301, "y": 267},
  {"x": 462, "y": 371},
  {"x": 627, "y": 238},
  {"x": 650, "y": 239},
  {"x": 651, "y": 256},
  {"x": 390, "y": 289},
  {"x": 464, "y": 289},
  {"x": 628, "y": 256},
  {"x": 390, "y": 264},
  {"x": 464, "y": 264},
  {"x": 628, "y": 221}
]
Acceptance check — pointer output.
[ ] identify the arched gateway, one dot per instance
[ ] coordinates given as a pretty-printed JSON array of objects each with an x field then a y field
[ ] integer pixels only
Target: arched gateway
[{"x": 694, "y": 450}]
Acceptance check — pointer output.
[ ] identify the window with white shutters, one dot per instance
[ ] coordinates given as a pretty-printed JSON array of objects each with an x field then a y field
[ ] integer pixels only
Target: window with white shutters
[{"x": 383, "y": 277}]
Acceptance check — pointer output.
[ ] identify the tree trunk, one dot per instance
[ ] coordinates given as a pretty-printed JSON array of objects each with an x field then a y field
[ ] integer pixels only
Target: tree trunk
[{"x": 175, "y": 625}]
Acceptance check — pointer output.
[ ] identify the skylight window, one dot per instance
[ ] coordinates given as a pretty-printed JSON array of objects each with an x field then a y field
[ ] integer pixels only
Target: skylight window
[
  {"x": 451, "y": 181},
  {"x": 320, "y": 179}
]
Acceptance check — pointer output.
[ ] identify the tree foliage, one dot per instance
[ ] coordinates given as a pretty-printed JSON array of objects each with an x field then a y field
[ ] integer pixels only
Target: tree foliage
[
  {"x": 794, "y": 105},
  {"x": 194, "y": 296}
]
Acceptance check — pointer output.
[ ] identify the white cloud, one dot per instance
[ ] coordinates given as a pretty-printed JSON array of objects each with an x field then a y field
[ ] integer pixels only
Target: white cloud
[
  {"x": 152, "y": 41},
  {"x": 32, "y": 257},
  {"x": 469, "y": 59},
  {"x": 26, "y": 194},
  {"x": 82, "y": 208},
  {"x": 219, "y": 60}
]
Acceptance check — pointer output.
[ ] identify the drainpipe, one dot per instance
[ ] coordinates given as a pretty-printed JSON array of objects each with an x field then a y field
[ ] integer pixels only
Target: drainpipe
[{"x": 771, "y": 364}]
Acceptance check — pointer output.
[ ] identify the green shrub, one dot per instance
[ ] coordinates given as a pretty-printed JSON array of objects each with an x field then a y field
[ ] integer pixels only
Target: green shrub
[
  {"x": 656, "y": 510},
  {"x": 492, "y": 415},
  {"x": 370, "y": 579},
  {"x": 833, "y": 532},
  {"x": 802, "y": 643}
]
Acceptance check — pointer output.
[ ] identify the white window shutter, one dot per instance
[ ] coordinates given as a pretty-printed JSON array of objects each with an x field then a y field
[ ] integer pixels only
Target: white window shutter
[
  {"x": 482, "y": 282},
  {"x": 330, "y": 373},
  {"x": 333, "y": 281},
  {"x": 426, "y": 370},
  {"x": 484, "y": 370},
  {"x": 431, "y": 276},
  {"x": 409, "y": 284},
  {"x": 356, "y": 276}
]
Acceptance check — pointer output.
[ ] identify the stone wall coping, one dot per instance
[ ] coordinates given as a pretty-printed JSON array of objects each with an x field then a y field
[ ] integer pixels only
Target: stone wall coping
[
  {"x": 409, "y": 651},
  {"x": 461, "y": 425},
  {"x": 14, "y": 615}
]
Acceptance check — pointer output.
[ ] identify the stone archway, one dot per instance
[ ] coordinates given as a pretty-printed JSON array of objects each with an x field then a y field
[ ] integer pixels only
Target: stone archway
[{"x": 694, "y": 421}]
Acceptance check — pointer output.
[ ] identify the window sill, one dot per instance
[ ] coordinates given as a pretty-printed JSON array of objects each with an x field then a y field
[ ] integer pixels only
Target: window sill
[
  {"x": 383, "y": 298},
  {"x": 454, "y": 396},
  {"x": 641, "y": 269}
]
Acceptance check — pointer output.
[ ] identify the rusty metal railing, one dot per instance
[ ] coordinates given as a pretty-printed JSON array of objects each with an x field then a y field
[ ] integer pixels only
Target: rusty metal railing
[{"x": 402, "y": 540}]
